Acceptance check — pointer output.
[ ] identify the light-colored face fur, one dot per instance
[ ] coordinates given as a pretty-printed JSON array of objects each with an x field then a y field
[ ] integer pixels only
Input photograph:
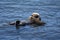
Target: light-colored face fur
[
  {"x": 35, "y": 14},
  {"x": 32, "y": 18}
]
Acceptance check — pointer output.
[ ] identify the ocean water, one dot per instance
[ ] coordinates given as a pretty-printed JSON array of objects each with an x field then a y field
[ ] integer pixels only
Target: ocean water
[{"x": 12, "y": 10}]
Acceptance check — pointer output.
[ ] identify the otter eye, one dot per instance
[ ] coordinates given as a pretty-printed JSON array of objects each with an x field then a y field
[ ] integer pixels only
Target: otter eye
[{"x": 36, "y": 16}]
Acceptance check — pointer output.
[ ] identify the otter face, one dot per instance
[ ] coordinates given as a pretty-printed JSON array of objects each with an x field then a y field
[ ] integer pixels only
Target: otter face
[
  {"x": 35, "y": 18},
  {"x": 35, "y": 15}
]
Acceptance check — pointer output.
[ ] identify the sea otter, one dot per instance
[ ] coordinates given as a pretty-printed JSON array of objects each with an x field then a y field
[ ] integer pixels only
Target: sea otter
[{"x": 33, "y": 19}]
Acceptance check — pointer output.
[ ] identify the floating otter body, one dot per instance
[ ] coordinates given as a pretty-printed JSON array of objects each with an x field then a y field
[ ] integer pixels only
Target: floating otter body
[
  {"x": 17, "y": 24},
  {"x": 33, "y": 19},
  {"x": 20, "y": 23}
]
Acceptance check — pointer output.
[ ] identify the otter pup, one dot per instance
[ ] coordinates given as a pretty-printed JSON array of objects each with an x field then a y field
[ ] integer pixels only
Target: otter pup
[{"x": 36, "y": 19}]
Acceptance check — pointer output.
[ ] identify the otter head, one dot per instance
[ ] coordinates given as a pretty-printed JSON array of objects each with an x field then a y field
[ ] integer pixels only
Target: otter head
[{"x": 35, "y": 15}]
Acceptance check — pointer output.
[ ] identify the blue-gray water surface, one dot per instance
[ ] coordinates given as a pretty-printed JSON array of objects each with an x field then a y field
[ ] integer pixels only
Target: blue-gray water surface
[{"x": 12, "y": 10}]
